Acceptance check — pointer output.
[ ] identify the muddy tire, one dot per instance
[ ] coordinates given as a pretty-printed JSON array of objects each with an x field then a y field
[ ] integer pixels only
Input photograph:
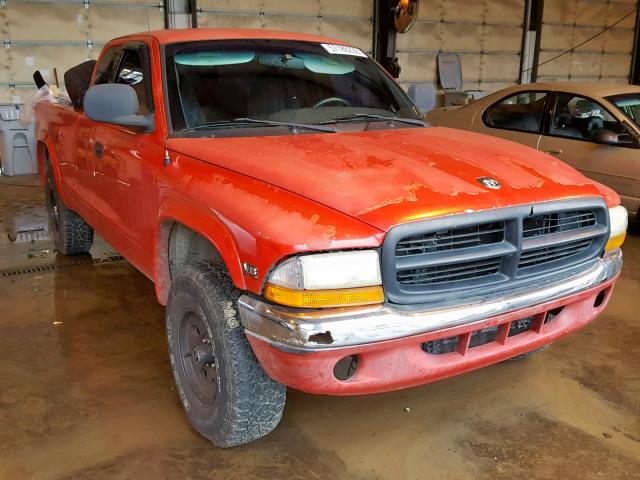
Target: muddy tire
[
  {"x": 71, "y": 234},
  {"x": 226, "y": 394},
  {"x": 524, "y": 356}
]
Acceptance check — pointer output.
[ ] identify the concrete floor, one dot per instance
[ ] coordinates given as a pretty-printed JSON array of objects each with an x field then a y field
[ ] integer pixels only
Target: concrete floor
[{"x": 86, "y": 392}]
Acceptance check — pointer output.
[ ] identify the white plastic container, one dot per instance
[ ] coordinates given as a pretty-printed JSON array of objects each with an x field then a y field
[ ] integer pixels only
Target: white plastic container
[{"x": 17, "y": 144}]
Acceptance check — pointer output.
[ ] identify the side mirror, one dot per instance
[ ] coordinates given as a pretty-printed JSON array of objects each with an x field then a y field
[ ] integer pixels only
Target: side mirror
[
  {"x": 606, "y": 137},
  {"x": 117, "y": 104},
  {"x": 423, "y": 96}
]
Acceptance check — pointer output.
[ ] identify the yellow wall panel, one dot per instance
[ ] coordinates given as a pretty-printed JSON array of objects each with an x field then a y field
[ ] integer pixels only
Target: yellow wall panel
[
  {"x": 418, "y": 67},
  {"x": 502, "y": 39},
  {"x": 38, "y": 21},
  {"x": 231, "y": 5},
  {"x": 349, "y": 21},
  {"x": 619, "y": 41},
  {"x": 214, "y": 20},
  {"x": 107, "y": 22},
  {"x": 582, "y": 24},
  {"x": 26, "y": 59},
  {"x": 501, "y": 67},
  {"x": 356, "y": 32},
  {"x": 5, "y": 67},
  {"x": 431, "y": 9},
  {"x": 616, "y": 65},
  {"x": 19, "y": 94},
  {"x": 44, "y": 35},
  {"x": 351, "y": 8}
]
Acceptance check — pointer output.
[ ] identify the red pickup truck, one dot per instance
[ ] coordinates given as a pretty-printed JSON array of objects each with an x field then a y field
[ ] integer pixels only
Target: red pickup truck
[{"x": 304, "y": 227}]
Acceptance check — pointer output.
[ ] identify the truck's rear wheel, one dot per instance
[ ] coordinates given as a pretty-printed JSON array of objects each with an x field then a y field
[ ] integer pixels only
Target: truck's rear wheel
[
  {"x": 71, "y": 234},
  {"x": 227, "y": 395}
]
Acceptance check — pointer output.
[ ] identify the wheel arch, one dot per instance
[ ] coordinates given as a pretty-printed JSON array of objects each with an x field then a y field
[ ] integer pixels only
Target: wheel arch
[
  {"x": 187, "y": 235},
  {"x": 47, "y": 159}
]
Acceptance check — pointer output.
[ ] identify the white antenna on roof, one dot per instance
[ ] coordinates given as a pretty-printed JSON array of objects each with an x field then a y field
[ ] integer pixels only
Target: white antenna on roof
[{"x": 146, "y": 14}]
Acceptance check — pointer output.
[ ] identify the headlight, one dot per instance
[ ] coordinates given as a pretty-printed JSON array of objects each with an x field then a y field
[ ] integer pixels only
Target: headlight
[
  {"x": 618, "y": 222},
  {"x": 327, "y": 280}
]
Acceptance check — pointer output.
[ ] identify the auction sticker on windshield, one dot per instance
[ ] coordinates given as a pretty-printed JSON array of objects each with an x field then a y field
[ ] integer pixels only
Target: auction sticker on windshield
[{"x": 343, "y": 50}]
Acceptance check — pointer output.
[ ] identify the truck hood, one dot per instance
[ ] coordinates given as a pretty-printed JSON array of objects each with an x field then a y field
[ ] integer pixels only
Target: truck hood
[{"x": 389, "y": 177}]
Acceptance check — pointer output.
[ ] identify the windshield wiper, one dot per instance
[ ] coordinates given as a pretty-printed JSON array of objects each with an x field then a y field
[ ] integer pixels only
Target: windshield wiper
[
  {"x": 370, "y": 116},
  {"x": 246, "y": 122}
]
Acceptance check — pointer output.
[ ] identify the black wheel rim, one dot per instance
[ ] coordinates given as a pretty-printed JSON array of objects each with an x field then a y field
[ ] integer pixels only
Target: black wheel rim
[
  {"x": 52, "y": 208},
  {"x": 197, "y": 359}
]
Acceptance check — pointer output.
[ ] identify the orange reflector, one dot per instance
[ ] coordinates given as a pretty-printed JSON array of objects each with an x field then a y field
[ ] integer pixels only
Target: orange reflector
[
  {"x": 324, "y": 298},
  {"x": 615, "y": 242}
]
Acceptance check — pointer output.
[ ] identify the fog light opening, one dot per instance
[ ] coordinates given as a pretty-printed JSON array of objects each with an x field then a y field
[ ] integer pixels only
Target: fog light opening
[
  {"x": 600, "y": 298},
  {"x": 346, "y": 367}
]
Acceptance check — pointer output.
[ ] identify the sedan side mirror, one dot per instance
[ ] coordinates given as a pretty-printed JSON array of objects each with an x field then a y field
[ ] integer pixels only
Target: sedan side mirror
[
  {"x": 117, "y": 104},
  {"x": 606, "y": 137}
]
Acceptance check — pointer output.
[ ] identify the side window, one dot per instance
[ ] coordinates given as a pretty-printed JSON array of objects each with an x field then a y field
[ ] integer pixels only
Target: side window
[
  {"x": 107, "y": 65},
  {"x": 581, "y": 118},
  {"x": 522, "y": 111},
  {"x": 131, "y": 72}
]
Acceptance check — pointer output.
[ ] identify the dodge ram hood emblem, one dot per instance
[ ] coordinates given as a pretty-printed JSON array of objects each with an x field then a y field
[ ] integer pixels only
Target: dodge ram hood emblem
[{"x": 489, "y": 182}]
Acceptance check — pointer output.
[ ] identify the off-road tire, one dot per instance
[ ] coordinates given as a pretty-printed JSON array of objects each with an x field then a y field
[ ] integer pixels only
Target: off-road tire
[
  {"x": 71, "y": 234},
  {"x": 248, "y": 404},
  {"x": 524, "y": 356}
]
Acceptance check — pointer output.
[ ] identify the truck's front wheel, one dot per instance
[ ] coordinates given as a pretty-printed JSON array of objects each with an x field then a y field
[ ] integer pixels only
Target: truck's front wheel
[
  {"x": 71, "y": 234},
  {"x": 227, "y": 395}
]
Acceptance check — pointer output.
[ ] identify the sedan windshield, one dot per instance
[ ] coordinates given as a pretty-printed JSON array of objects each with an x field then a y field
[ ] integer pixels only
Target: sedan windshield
[
  {"x": 629, "y": 104},
  {"x": 280, "y": 86}
]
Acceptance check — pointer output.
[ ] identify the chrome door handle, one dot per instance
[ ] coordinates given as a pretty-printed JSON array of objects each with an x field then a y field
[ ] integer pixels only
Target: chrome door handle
[{"x": 552, "y": 151}]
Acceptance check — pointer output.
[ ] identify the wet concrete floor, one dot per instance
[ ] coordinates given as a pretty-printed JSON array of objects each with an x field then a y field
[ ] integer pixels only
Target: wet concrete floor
[{"x": 86, "y": 393}]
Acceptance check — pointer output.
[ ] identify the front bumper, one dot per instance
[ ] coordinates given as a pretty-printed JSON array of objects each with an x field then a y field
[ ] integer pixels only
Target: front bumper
[{"x": 301, "y": 348}]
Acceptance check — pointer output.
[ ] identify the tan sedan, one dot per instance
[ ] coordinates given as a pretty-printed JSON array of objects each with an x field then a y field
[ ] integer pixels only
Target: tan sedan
[{"x": 592, "y": 126}]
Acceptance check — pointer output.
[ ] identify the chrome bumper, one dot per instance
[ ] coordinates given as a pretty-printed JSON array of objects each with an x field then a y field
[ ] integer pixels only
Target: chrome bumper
[{"x": 295, "y": 329}]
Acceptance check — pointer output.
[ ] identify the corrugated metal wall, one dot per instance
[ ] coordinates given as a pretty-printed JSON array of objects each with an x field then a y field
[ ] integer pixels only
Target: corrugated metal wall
[
  {"x": 42, "y": 35},
  {"x": 568, "y": 23},
  {"x": 487, "y": 34},
  {"x": 350, "y": 20}
]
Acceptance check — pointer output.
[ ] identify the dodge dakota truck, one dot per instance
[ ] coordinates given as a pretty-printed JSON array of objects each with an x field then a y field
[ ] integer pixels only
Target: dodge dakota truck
[{"x": 305, "y": 228}]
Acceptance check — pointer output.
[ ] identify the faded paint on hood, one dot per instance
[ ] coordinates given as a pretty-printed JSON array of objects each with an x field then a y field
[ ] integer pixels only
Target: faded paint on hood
[{"x": 389, "y": 177}]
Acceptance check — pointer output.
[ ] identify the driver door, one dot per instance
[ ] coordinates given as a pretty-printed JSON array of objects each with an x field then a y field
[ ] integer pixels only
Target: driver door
[
  {"x": 571, "y": 137},
  {"x": 127, "y": 161}
]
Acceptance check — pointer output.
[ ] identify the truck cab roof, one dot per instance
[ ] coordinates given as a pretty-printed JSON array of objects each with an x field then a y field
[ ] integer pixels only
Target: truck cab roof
[{"x": 201, "y": 34}]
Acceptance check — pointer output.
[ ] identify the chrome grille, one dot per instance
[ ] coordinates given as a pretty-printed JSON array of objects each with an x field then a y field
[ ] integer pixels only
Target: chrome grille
[{"x": 478, "y": 253}]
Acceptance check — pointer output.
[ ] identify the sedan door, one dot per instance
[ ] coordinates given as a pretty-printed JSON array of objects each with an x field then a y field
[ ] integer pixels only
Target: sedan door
[
  {"x": 573, "y": 136},
  {"x": 517, "y": 117}
]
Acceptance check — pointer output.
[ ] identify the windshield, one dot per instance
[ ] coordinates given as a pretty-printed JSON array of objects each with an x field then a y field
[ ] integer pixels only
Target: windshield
[
  {"x": 222, "y": 84},
  {"x": 629, "y": 104}
]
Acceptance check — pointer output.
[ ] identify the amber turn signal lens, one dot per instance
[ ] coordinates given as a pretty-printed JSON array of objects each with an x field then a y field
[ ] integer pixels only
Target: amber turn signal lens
[
  {"x": 615, "y": 242},
  {"x": 324, "y": 298}
]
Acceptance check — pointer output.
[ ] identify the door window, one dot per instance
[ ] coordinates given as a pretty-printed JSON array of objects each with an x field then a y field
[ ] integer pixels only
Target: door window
[
  {"x": 132, "y": 72},
  {"x": 522, "y": 111},
  {"x": 582, "y": 119},
  {"x": 107, "y": 65}
]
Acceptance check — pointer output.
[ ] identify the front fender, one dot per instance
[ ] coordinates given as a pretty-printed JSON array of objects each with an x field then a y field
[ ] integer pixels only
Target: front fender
[{"x": 207, "y": 224}]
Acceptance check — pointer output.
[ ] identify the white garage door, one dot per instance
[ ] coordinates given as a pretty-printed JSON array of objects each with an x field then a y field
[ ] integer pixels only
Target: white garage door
[
  {"x": 349, "y": 20},
  {"x": 43, "y": 34},
  {"x": 487, "y": 35},
  {"x": 570, "y": 22}
]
